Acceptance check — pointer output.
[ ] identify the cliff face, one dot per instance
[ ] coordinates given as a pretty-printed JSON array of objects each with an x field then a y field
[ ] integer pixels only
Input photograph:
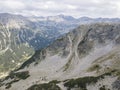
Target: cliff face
[{"x": 87, "y": 58}]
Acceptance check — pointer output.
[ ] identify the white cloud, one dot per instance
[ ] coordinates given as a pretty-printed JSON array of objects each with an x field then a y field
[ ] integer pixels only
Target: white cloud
[
  {"x": 73, "y": 7},
  {"x": 12, "y": 4},
  {"x": 77, "y": 8}
]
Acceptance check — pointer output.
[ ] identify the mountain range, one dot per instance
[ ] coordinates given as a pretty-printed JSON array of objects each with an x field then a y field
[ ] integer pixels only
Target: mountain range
[
  {"x": 86, "y": 58},
  {"x": 59, "y": 52}
]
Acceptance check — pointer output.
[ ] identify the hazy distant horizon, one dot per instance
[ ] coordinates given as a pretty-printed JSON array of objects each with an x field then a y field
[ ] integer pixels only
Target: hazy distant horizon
[{"x": 62, "y": 14}]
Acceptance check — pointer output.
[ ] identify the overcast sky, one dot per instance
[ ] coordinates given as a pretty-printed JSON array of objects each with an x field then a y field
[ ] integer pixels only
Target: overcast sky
[{"x": 76, "y": 8}]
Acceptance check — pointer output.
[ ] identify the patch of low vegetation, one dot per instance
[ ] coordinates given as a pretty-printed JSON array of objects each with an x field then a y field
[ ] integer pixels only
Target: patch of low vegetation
[
  {"x": 16, "y": 77},
  {"x": 103, "y": 88},
  {"x": 1, "y": 84},
  {"x": 95, "y": 67},
  {"x": 118, "y": 73},
  {"x": 21, "y": 75},
  {"x": 12, "y": 59},
  {"x": 82, "y": 82},
  {"x": 46, "y": 86},
  {"x": 54, "y": 81},
  {"x": 8, "y": 85},
  {"x": 32, "y": 59}
]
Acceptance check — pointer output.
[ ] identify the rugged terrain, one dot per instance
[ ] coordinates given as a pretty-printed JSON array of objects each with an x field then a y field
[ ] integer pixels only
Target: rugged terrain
[
  {"x": 21, "y": 36},
  {"x": 87, "y": 58}
]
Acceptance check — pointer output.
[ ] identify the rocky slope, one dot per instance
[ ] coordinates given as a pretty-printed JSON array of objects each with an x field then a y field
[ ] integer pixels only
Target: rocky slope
[{"x": 87, "y": 58}]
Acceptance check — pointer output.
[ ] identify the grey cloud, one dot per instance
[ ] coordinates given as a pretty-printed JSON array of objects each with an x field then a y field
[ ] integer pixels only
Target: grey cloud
[{"x": 77, "y": 8}]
